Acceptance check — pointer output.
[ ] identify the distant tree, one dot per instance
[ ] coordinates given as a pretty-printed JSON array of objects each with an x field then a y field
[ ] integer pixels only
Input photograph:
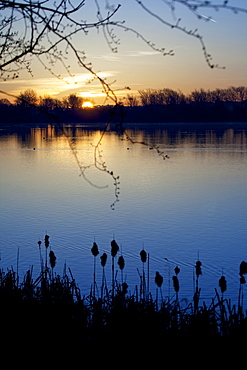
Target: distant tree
[
  {"x": 161, "y": 97},
  {"x": 27, "y": 98},
  {"x": 173, "y": 97},
  {"x": 239, "y": 93},
  {"x": 131, "y": 100},
  {"x": 151, "y": 97},
  {"x": 200, "y": 96},
  {"x": 5, "y": 102},
  {"x": 74, "y": 101},
  {"x": 49, "y": 103}
]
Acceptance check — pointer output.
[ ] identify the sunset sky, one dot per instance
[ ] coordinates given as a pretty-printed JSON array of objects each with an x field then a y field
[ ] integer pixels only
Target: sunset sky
[{"x": 137, "y": 66}]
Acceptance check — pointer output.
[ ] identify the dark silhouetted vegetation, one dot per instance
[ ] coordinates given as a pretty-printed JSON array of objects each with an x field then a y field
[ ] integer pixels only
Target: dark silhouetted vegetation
[
  {"x": 109, "y": 316},
  {"x": 151, "y": 106}
]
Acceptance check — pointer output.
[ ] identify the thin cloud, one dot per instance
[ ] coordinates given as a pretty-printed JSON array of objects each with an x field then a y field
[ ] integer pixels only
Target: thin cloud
[
  {"x": 140, "y": 53},
  {"x": 56, "y": 86}
]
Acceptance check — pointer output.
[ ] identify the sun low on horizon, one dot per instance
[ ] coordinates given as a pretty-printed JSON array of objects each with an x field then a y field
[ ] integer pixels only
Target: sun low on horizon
[{"x": 87, "y": 104}]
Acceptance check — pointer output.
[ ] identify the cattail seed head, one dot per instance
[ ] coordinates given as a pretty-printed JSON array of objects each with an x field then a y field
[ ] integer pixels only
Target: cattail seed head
[
  {"x": 177, "y": 270},
  {"x": 198, "y": 268},
  {"x": 243, "y": 268},
  {"x": 121, "y": 262},
  {"x": 103, "y": 259},
  {"x": 114, "y": 248},
  {"x": 158, "y": 279},
  {"x": 143, "y": 255},
  {"x": 52, "y": 259},
  {"x": 94, "y": 249},
  {"x": 47, "y": 243},
  {"x": 222, "y": 284}
]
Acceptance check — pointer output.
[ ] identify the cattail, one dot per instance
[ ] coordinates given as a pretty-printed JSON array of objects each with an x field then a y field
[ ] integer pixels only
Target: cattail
[
  {"x": 222, "y": 284},
  {"x": 95, "y": 252},
  {"x": 94, "y": 249},
  {"x": 47, "y": 243},
  {"x": 40, "y": 256},
  {"x": 159, "y": 282},
  {"x": 158, "y": 279},
  {"x": 103, "y": 259},
  {"x": 177, "y": 270},
  {"x": 198, "y": 269},
  {"x": 242, "y": 272},
  {"x": 242, "y": 280},
  {"x": 243, "y": 268},
  {"x": 121, "y": 262},
  {"x": 52, "y": 259},
  {"x": 114, "y": 248},
  {"x": 143, "y": 255},
  {"x": 175, "y": 283}
]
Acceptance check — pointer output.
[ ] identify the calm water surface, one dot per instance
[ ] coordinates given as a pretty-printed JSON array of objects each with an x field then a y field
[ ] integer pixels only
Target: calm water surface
[{"x": 192, "y": 204}]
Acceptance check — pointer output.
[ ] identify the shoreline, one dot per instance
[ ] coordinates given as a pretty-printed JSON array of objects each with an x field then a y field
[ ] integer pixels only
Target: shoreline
[{"x": 128, "y": 125}]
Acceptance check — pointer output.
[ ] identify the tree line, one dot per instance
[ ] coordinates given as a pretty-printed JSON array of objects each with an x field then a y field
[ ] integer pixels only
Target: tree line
[
  {"x": 149, "y": 105},
  {"x": 168, "y": 96}
]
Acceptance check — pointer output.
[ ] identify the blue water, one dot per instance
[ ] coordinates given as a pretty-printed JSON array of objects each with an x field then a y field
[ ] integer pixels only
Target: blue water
[{"x": 192, "y": 205}]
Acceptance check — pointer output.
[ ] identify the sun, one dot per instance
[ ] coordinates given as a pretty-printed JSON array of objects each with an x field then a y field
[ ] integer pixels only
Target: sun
[{"x": 87, "y": 104}]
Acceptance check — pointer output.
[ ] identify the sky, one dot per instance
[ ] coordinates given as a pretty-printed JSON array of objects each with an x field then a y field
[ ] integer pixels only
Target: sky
[{"x": 136, "y": 65}]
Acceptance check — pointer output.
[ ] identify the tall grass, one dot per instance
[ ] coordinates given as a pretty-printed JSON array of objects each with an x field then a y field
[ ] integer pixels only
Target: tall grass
[{"x": 112, "y": 312}]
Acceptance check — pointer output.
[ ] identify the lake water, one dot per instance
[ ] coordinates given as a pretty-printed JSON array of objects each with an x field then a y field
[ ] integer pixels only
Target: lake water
[{"x": 192, "y": 205}]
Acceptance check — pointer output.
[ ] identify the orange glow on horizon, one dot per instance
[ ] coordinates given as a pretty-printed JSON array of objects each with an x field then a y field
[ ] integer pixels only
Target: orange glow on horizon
[{"x": 87, "y": 104}]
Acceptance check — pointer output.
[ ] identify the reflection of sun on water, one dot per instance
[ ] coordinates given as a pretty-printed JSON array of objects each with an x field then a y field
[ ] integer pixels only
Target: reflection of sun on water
[{"x": 87, "y": 104}]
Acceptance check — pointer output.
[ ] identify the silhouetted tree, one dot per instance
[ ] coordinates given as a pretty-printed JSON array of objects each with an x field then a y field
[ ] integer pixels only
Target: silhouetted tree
[
  {"x": 161, "y": 97},
  {"x": 49, "y": 103},
  {"x": 74, "y": 101},
  {"x": 131, "y": 100},
  {"x": 5, "y": 102},
  {"x": 27, "y": 98}
]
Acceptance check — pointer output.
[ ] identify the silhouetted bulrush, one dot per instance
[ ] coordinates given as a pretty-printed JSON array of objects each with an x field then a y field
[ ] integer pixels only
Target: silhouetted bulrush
[
  {"x": 143, "y": 255},
  {"x": 242, "y": 272},
  {"x": 95, "y": 249},
  {"x": 114, "y": 248},
  {"x": 47, "y": 243},
  {"x": 197, "y": 290},
  {"x": 222, "y": 284},
  {"x": 52, "y": 259},
  {"x": 243, "y": 268},
  {"x": 175, "y": 283},
  {"x": 121, "y": 262},
  {"x": 198, "y": 269},
  {"x": 103, "y": 259},
  {"x": 95, "y": 252},
  {"x": 158, "y": 279}
]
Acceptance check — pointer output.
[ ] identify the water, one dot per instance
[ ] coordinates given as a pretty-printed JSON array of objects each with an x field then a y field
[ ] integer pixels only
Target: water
[{"x": 192, "y": 205}]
